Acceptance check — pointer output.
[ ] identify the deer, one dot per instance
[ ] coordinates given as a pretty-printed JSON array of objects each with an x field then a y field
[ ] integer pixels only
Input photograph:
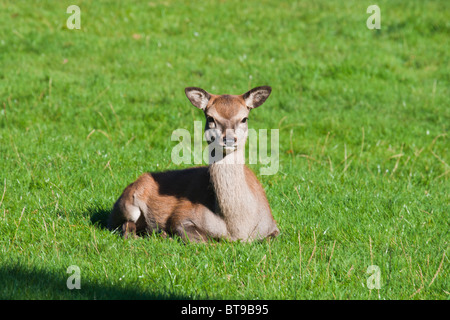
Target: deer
[{"x": 223, "y": 200}]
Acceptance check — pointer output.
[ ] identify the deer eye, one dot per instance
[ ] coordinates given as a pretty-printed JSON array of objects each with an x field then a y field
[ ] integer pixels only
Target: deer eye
[{"x": 244, "y": 120}]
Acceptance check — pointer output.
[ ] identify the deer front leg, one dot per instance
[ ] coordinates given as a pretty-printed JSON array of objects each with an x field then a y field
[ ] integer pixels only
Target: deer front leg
[
  {"x": 129, "y": 228},
  {"x": 274, "y": 233},
  {"x": 189, "y": 232}
]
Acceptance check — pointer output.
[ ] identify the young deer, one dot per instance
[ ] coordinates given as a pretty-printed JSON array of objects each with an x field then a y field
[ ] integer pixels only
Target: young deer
[{"x": 221, "y": 201}]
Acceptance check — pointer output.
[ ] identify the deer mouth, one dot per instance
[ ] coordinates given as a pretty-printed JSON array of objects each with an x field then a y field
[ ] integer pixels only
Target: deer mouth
[
  {"x": 229, "y": 145},
  {"x": 229, "y": 149}
]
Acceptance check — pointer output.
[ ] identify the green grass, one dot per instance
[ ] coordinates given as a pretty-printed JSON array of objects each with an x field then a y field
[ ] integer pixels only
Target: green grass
[{"x": 363, "y": 118}]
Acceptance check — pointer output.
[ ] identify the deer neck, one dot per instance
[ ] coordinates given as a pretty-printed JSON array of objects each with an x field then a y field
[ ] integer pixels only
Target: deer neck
[{"x": 234, "y": 199}]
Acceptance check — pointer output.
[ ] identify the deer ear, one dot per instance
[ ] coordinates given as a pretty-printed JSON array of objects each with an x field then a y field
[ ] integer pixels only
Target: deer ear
[
  {"x": 198, "y": 97},
  {"x": 256, "y": 97}
]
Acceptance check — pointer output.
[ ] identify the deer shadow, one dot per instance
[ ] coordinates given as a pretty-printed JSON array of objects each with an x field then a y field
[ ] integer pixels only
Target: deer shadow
[
  {"x": 99, "y": 217},
  {"x": 20, "y": 281}
]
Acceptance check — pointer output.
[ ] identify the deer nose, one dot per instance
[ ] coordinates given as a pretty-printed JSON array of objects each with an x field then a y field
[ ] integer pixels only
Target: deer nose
[{"x": 229, "y": 141}]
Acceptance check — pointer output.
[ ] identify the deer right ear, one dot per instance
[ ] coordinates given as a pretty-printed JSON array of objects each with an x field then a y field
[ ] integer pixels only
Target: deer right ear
[
  {"x": 198, "y": 97},
  {"x": 256, "y": 97}
]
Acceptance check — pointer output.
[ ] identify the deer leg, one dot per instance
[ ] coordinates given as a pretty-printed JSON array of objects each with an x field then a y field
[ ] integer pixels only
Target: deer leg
[
  {"x": 129, "y": 228},
  {"x": 274, "y": 233},
  {"x": 190, "y": 232}
]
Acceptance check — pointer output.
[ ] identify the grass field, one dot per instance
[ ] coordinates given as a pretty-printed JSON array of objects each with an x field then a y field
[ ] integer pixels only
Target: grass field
[{"x": 364, "y": 148}]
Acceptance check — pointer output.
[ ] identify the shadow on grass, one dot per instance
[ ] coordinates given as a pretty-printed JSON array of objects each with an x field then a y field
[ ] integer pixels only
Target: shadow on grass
[
  {"x": 21, "y": 282},
  {"x": 99, "y": 217}
]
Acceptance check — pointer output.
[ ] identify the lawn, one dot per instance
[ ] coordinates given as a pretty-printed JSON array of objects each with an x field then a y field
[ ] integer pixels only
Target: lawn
[{"x": 363, "y": 118}]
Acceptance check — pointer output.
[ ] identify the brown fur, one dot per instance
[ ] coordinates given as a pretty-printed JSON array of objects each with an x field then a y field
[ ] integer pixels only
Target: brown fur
[{"x": 222, "y": 200}]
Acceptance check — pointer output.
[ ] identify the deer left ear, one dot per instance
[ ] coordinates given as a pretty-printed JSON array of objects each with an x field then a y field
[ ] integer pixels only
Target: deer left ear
[
  {"x": 198, "y": 97},
  {"x": 256, "y": 97}
]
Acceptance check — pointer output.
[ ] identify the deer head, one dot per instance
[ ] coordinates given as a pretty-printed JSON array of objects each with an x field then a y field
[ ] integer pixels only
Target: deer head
[{"x": 227, "y": 115}]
